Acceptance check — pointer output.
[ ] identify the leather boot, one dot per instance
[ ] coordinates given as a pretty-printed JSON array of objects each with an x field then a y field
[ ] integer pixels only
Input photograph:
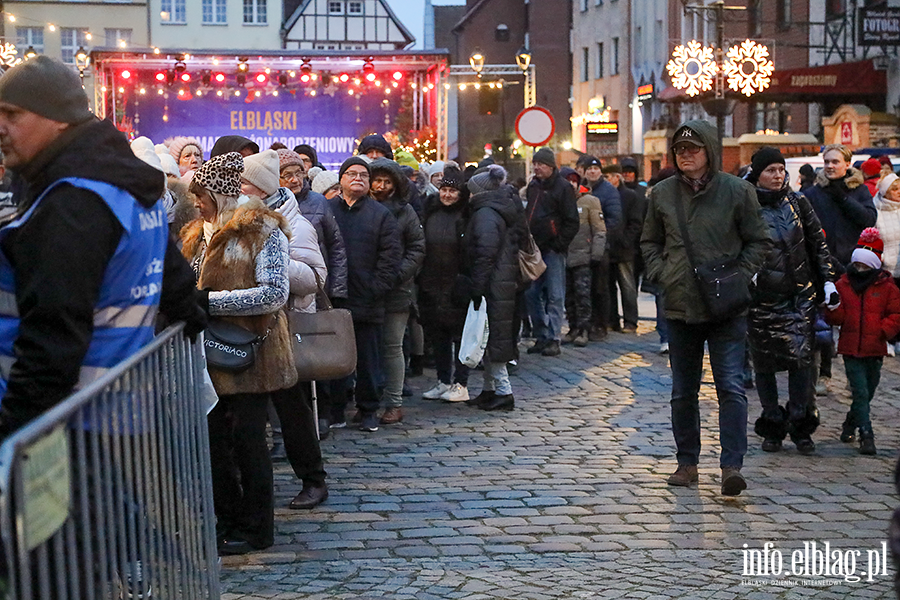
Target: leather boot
[
  {"x": 848, "y": 430},
  {"x": 867, "y": 441},
  {"x": 504, "y": 403}
]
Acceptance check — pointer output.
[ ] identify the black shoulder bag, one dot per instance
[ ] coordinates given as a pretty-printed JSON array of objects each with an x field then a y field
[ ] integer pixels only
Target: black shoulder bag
[
  {"x": 230, "y": 347},
  {"x": 722, "y": 285}
]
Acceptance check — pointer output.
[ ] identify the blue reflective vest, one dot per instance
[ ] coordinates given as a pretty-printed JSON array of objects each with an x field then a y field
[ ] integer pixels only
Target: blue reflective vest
[{"x": 129, "y": 296}]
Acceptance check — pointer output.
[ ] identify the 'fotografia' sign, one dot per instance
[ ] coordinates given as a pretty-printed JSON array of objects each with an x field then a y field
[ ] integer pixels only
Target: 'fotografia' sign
[{"x": 879, "y": 27}]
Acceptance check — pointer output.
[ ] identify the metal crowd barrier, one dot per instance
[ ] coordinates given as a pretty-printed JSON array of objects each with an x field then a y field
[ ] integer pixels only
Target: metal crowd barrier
[{"x": 108, "y": 495}]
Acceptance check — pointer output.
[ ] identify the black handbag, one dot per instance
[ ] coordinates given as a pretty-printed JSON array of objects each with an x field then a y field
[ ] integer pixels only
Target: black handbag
[
  {"x": 722, "y": 286},
  {"x": 230, "y": 347}
]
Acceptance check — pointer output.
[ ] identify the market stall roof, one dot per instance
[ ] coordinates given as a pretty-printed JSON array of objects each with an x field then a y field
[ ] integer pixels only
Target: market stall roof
[{"x": 853, "y": 80}]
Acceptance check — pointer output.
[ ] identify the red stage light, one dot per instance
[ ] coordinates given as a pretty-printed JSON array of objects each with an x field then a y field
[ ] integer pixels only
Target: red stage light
[
  {"x": 185, "y": 77},
  {"x": 344, "y": 78},
  {"x": 261, "y": 78},
  {"x": 220, "y": 77},
  {"x": 398, "y": 75},
  {"x": 161, "y": 76},
  {"x": 126, "y": 74},
  {"x": 370, "y": 77}
]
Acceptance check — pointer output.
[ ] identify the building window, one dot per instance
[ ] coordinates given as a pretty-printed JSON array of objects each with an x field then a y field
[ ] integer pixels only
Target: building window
[
  {"x": 70, "y": 40},
  {"x": 354, "y": 8},
  {"x": 172, "y": 11},
  {"x": 255, "y": 11},
  {"x": 600, "y": 60},
  {"x": 835, "y": 9},
  {"x": 117, "y": 38},
  {"x": 30, "y": 36},
  {"x": 755, "y": 17},
  {"x": 585, "y": 63},
  {"x": 214, "y": 11},
  {"x": 615, "y": 57},
  {"x": 501, "y": 34},
  {"x": 783, "y": 12},
  {"x": 335, "y": 8}
]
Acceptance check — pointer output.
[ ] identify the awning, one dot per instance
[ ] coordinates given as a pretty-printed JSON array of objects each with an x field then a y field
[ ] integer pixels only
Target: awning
[{"x": 846, "y": 81}]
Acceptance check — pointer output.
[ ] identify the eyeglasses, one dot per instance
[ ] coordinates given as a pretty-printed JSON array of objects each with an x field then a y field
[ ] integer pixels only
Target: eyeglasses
[
  {"x": 687, "y": 148},
  {"x": 361, "y": 175},
  {"x": 295, "y": 175}
]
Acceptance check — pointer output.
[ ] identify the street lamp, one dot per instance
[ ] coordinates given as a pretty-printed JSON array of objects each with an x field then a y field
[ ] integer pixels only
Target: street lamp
[
  {"x": 523, "y": 58},
  {"x": 82, "y": 60},
  {"x": 30, "y": 52},
  {"x": 477, "y": 62}
]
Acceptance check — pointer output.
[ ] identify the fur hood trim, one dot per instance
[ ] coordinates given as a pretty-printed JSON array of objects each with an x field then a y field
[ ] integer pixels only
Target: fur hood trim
[
  {"x": 252, "y": 214},
  {"x": 853, "y": 179}
]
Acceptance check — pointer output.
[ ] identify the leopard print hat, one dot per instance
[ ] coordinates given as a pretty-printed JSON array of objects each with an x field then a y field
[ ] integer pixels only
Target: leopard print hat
[{"x": 222, "y": 174}]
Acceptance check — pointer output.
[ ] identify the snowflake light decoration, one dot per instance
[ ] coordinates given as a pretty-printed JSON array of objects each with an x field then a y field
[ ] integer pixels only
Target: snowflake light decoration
[
  {"x": 692, "y": 68},
  {"x": 748, "y": 67},
  {"x": 9, "y": 55}
]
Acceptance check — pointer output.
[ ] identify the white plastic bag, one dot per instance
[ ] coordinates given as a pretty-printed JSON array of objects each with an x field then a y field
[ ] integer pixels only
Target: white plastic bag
[{"x": 474, "y": 335}]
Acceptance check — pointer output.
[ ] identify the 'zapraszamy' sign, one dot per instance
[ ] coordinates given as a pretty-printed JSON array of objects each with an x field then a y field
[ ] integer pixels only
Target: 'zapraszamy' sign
[{"x": 879, "y": 27}]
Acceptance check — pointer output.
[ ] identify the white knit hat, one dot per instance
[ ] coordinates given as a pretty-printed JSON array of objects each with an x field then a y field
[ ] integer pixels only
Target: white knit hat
[
  {"x": 169, "y": 166},
  {"x": 323, "y": 181},
  {"x": 262, "y": 171},
  {"x": 886, "y": 182}
]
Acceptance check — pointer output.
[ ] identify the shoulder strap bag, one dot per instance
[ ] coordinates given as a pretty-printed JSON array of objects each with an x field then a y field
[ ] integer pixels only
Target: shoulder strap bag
[
  {"x": 531, "y": 263},
  {"x": 722, "y": 285},
  {"x": 323, "y": 342},
  {"x": 230, "y": 347}
]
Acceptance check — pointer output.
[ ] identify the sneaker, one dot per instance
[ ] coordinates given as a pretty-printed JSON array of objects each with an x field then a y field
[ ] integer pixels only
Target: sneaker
[
  {"x": 437, "y": 391},
  {"x": 392, "y": 415},
  {"x": 570, "y": 336},
  {"x": 457, "y": 393},
  {"x": 890, "y": 350},
  {"x": 369, "y": 422},
  {"x": 664, "y": 348},
  {"x": 684, "y": 476},
  {"x": 582, "y": 340},
  {"x": 733, "y": 483},
  {"x": 822, "y": 386},
  {"x": 512, "y": 367},
  {"x": 338, "y": 424},
  {"x": 629, "y": 328},
  {"x": 552, "y": 349},
  {"x": 597, "y": 334}
]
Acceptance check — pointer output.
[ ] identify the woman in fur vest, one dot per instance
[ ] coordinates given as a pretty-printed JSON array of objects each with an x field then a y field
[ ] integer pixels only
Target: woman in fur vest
[{"x": 239, "y": 251}]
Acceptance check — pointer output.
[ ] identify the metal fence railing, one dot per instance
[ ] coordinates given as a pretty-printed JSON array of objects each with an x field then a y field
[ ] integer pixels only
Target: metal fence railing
[{"x": 108, "y": 495}]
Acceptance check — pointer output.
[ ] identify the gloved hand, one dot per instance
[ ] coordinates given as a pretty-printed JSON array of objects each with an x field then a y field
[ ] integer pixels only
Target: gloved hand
[
  {"x": 203, "y": 299},
  {"x": 476, "y": 301},
  {"x": 832, "y": 298}
]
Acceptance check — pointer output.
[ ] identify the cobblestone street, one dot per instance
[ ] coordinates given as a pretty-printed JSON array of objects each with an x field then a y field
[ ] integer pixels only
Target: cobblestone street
[{"x": 566, "y": 496}]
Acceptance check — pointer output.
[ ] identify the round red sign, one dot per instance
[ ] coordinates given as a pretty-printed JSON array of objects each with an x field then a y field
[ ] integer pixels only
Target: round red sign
[{"x": 535, "y": 126}]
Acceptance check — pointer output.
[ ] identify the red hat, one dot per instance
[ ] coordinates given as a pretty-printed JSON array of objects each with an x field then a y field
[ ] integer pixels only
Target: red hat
[
  {"x": 871, "y": 167},
  {"x": 885, "y": 160},
  {"x": 869, "y": 248}
]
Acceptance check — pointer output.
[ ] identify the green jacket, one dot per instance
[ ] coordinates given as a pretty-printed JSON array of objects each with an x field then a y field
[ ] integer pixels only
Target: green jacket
[{"x": 723, "y": 220}]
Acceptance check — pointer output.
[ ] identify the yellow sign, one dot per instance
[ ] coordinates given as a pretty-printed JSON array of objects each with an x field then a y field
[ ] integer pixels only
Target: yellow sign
[{"x": 45, "y": 479}]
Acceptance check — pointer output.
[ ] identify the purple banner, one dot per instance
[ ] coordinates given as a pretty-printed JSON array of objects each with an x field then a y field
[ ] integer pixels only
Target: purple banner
[{"x": 330, "y": 123}]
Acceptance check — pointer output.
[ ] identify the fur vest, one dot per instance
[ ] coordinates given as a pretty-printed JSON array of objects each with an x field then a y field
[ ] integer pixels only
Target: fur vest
[{"x": 230, "y": 264}]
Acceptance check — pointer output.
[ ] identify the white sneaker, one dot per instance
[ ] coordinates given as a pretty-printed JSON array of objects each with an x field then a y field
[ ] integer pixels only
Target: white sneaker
[
  {"x": 437, "y": 391},
  {"x": 890, "y": 350},
  {"x": 457, "y": 393},
  {"x": 664, "y": 348}
]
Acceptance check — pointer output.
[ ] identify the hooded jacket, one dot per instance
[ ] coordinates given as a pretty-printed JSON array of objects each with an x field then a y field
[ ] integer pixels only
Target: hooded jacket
[
  {"x": 789, "y": 284},
  {"x": 869, "y": 320},
  {"x": 552, "y": 212},
  {"x": 412, "y": 237},
  {"x": 626, "y": 245},
  {"x": 611, "y": 202},
  {"x": 723, "y": 220},
  {"x": 56, "y": 296},
  {"x": 589, "y": 244},
  {"x": 845, "y": 208},
  {"x": 315, "y": 207},
  {"x": 888, "y": 224},
  {"x": 444, "y": 230},
  {"x": 492, "y": 241}
]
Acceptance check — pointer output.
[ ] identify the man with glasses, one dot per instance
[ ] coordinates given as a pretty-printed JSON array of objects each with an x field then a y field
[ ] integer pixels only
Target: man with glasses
[
  {"x": 372, "y": 241},
  {"x": 723, "y": 221}
]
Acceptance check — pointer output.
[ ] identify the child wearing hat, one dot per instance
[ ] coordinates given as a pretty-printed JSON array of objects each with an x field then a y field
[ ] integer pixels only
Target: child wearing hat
[{"x": 868, "y": 315}]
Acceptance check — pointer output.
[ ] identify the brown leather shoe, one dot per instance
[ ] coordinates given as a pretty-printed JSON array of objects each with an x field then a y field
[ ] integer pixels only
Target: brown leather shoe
[
  {"x": 684, "y": 476},
  {"x": 733, "y": 483},
  {"x": 312, "y": 495},
  {"x": 392, "y": 415}
]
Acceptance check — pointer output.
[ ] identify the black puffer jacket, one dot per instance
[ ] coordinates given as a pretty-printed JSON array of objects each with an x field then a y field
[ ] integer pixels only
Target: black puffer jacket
[
  {"x": 626, "y": 245},
  {"x": 492, "y": 256},
  {"x": 844, "y": 207},
  {"x": 444, "y": 229},
  {"x": 782, "y": 315},
  {"x": 412, "y": 238},
  {"x": 315, "y": 208},
  {"x": 552, "y": 213}
]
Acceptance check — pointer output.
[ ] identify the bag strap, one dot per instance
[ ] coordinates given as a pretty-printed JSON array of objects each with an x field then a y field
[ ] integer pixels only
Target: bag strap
[
  {"x": 326, "y": 301},
  {"x": 259, "y": 340},
  {"x": 685, "y": 238}
]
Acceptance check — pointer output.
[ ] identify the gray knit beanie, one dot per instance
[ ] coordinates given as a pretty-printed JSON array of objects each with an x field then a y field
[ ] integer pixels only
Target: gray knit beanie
[
  {"x": 46, "y": 87},
  {"x": 489, "y": 179},
  {"x": 545, "y": 156}
]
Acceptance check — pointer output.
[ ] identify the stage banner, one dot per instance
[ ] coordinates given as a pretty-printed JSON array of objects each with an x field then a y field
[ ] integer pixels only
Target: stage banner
[{"x": 330, "y": 123}]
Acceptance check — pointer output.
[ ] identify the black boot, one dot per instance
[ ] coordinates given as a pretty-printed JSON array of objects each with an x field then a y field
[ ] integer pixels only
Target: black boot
[
  {"x": 867, "y": 441},
  {"x": 504, "y": 403},
  {"x": 484, "y": 397},
  {"x": 848, "y": 430},
  {"x": 772, "y": 427},
  {"x": 801, "y": 430},
  {"x": 416, "y": 365}
]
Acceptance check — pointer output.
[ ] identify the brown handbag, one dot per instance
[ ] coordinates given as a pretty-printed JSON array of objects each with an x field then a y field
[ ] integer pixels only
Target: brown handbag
[{"x": 324, "y": 342}]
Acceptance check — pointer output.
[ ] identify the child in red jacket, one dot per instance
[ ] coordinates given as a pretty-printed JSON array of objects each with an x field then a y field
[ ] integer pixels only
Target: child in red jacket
[{"x": 869, "y": 315}]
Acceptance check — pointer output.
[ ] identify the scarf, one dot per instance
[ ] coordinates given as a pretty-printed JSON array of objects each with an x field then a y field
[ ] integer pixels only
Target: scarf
[
  {"x": 696, "y": 184},
  {"x": 861, "y": 280},
  {"x": 771, "y": 197}
]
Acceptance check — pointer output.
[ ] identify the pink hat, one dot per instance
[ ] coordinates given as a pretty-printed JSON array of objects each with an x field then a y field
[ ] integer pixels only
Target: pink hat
[
  {"x": 178, "y": 144},
  {"x": 288, "y": 158}
]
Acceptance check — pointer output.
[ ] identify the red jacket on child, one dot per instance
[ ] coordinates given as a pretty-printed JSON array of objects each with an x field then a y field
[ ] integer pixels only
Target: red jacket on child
[{"x": 867, "y": 322}]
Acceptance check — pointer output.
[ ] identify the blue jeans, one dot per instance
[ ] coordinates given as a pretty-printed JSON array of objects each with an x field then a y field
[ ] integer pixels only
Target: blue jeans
[
  {"x": 662, "y": 326},
  {"x": 727, "y": 341},
  {"x": 496, "y": 377},
  {"x": 546, "y": 298}
]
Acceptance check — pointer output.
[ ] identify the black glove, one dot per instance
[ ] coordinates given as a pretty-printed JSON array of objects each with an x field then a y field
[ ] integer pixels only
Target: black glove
[
  {"x": 203, "y": 300},
  {"x": 197, "y": 322}
]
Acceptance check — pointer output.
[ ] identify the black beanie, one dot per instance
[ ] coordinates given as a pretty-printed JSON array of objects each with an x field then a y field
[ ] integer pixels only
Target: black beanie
[
  {"x": 452, "y": 178},
  {"x": 375, "y": 142},
  {"x": 761, "y": 159},
  {"x": 232, "y": 143},
  {"x": 545, "y": 156},
  {"x": 309, "y": 151},
  {"x": 48, "y": 88},
  {"x": 353, "y": 160}
]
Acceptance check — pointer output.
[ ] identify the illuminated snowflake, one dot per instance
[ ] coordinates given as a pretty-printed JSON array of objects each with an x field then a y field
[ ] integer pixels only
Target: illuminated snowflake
[
  {"x": 8, "y": 55},
  {"x": 692, "y": 68},
  {"x": 748, "y": 67}
]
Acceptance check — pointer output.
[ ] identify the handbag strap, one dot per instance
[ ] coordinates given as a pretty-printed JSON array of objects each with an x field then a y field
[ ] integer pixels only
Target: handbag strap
[
  {"x": 685, "y": 238},
  {"x": 272, "y": 321},
  {"x": 326, "y": 301}
]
